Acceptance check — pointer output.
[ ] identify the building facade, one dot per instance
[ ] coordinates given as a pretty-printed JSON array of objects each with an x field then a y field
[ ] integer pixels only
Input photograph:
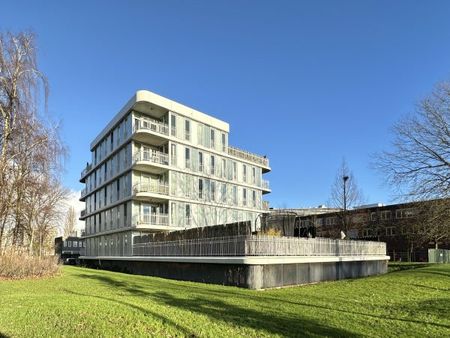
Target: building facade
[
  {"x": 162, "y": 166},
  {"x": 399, "y": 225}
]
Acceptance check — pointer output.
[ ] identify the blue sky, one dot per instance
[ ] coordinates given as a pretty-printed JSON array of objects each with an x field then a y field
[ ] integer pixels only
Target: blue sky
[{"x": 304, "y": 82}]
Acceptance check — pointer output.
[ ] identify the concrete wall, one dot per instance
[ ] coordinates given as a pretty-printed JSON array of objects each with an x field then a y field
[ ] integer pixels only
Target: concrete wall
[{"x": 247, "y": 276}]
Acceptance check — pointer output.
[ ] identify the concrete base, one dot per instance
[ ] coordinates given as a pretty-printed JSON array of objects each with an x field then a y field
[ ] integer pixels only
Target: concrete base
[{"x": 259, "y": 275}]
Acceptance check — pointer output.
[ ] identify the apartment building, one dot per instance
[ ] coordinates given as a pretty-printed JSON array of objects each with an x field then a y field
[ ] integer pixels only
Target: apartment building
[{"x": 162, "y": 166}]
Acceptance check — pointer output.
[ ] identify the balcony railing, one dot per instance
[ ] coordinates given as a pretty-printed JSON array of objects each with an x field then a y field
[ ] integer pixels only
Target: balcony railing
[
  {"x": 157, "y": 188},
  {"x": 83, "y": 192},
  {"x": 152, "y": 125},
  {"x": 86, "y": 170},
  {"x": 83, "y": 213},
  {"x": 245, "y": 155},
  {"x": 152, "y": 219},
  {"x": 265, "y": 205},
  {"x": 152, "y": 156},
  {"x": 265, "y": 184}
]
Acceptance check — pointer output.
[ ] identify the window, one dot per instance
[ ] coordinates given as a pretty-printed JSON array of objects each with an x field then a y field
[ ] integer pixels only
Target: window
[
  {"x": 254, "y": 175},
  {"x": 213, "y": 191},
  {"x": 224, "y": 167},
  {"x": 213, "y": 165},
  {"x": 188, "y": 214},
  {"x": 187, "y": 157},
  {"x": 118, "y": 188},
  {"x": 373, "y": 216},
  {"x": 404, "y": 213},
  {"x": 385, "y": 215},
  {"x": 234, "y": 171},
  {"x": 224, "y": 142},
  {"x": 69, "y": 244},
  {"x": 187, "y": 130},
  {"x": 173, "y": 122},
  {"x": 200, "y": 188},
  {"x": 200, "y": 161},
  {"x": 390, "y": 231},
  {"x": 254, "y": 198},
  {"x": 244, "y": 172},
  {"x": 75, "y": 244},
  {"x": 224, "y": 193},
  {"x": 173, "y": 153},
  {"x": 244, "y": 196},
  {"x": 234, "y": 195},
  {"x": 212, "y": 139},
  {"x": 65, "y": 244}
]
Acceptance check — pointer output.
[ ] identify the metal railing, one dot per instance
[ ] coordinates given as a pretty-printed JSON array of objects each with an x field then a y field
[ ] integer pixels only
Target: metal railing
[
  {"x": 255, "y": 245},
  {"x": 265, "y": 184},
  {"x": 151, "y": 156},
  {"x": 86, "y": 170},
  {"x": 248, "y": 156},
  {"x": 265, "y": 205},
  {"x": 83, "y": 192},
  {"x": 157, "y": 188},
  {"x": 152, "y": 125},
  {"x": 83, "y": 213},
  {"x": 152, "y": 219}
]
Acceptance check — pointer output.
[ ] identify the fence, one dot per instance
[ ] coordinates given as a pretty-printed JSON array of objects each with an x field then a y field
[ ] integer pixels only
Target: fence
[
  {"x": 438, "y": 256},
  {"x": 254, "y": 245}
]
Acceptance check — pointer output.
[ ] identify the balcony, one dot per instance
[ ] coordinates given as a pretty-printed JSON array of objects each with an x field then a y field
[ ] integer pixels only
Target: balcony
[
  {"x": 152, "y": 219},
  {"x": 150, "y": 131},
  {"x": 265, "y": 205},
  {"x": 265, "y": 186},
  {"x": 83, "y": 213},
  {"x": 83, "y": 194},
  {"x": 245, "y": 155},
  {"x": 146, "y": 191},
  {"x": 85, "y": 171},
  {"x": 151, "y": 161}
]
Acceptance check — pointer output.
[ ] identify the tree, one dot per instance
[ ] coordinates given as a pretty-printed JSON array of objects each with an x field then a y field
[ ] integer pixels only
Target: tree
[
  {"x": 31, "y": 151},
  {"x": 418, "y": 166},
  {"x": 345, "y": 194},
  {"x": 70, "y": 222}
]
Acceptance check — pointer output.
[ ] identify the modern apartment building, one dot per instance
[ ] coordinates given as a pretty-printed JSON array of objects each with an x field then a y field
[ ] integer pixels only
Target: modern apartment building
[{"x": 162, "y": 166}]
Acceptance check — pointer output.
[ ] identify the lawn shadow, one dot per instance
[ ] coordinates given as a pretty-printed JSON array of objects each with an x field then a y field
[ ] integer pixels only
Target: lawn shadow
[
  {"x": 287, "y": 325},
  {"x": 396, "y": 267},
  {"x": 231, "y": 314},
  {"x": 164, "y": 319},
  {"x": 2, "y": 335}
]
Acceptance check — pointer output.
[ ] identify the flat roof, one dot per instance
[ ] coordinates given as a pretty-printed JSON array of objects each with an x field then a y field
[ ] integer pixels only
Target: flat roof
[{"x": 146, "y": 96}]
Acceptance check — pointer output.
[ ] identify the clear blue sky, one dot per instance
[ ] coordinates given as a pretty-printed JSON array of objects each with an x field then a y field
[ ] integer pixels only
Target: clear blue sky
[{"x": 304, "y": 82}]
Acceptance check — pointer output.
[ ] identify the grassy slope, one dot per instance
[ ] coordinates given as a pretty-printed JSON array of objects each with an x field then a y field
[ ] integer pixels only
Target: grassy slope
[{"x": 414, "y": 302}]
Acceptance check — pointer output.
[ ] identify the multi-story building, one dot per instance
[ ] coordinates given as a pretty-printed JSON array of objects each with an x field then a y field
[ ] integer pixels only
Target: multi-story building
[{"x": 162, "y": 166}]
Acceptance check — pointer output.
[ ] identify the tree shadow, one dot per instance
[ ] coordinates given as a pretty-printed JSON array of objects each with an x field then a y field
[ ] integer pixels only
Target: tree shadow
[
  {"x": 145, "y": 311},
  {"x": 290, "y": 325},
  {"x": 2, "y": 335}
]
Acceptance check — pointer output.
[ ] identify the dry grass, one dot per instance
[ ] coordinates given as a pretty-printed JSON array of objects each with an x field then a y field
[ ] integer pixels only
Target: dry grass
[{"x": 14, "y": 265}]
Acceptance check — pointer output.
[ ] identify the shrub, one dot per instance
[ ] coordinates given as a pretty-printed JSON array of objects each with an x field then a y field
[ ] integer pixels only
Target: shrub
[
  {"x": 272, "y": 232},
  {"x": 16, "y": 265}
]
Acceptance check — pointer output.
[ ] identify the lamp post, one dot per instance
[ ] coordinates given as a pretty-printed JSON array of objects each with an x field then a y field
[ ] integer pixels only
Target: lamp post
[{"x": 345, "y": 179}]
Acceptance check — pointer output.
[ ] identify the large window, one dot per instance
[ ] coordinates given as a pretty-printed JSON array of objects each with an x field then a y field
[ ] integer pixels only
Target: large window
[
  {"x": 212, "y": 138},
  {"x": 200, "y": 188},
  {"x": 173, "y": 153},
  {"x": 213, "y": 191},
  {"x": 187, "y": 157},
  {"x": 187, "y": 130},
  {"x": 244, "y": 172},
  {"x": 188, "y": 214},
  {"x": 200, "y": 161},
  {"x": 224, "y": 143},
  {"x": 234, "y": 171},
  {"x": 244, "y": 196},
  {"x": 173, "y": 122},
  {"x": 213, "y": 165}
]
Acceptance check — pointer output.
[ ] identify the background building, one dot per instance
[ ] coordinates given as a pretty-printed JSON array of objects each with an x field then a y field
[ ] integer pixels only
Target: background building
[{"x": 162, "y": 166}]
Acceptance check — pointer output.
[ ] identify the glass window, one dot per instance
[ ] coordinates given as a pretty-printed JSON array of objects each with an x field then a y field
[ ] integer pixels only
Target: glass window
[
  {"x": 244, "y": 172},
  {"x": 234, "y": 171},
  {"x": 187, "y": 130},
  {"x": 200, "y": 161},
  {"x": 187, "y": 156},
  {"x": 213, "y": 165},
  {"x": 200, "y": 188},
  {"x": 224, "y": 143},
  {"x": 173, "y": 122},
  {"x": 188, "y": 214},
  {"x": 212, "y": 139},
  {"x": 244, "y": 196},
  {"x": 213, "y": 190},
  {"x": 173, "y": 155}
]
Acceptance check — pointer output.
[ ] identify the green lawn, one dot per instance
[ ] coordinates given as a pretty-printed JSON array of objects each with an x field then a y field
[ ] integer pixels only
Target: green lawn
[{"x": 412, "y": 302}]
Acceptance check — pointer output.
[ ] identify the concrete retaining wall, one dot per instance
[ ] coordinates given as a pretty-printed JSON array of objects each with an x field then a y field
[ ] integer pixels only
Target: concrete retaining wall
[{"x": 253, "y": 276}]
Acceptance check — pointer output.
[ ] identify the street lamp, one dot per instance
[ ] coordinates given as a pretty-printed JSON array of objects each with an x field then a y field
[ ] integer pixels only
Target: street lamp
[{"x": 345, "y": 179}]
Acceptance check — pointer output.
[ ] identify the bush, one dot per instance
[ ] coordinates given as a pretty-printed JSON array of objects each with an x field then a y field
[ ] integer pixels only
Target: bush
[{"x": 14, "y": 265}]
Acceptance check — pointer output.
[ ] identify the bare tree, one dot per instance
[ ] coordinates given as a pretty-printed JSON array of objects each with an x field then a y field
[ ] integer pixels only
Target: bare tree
[
  {"x": 31, "y": 151},
  {"x": 418, "y": 166},
  {"x": 345, "y": 194},
  {"x": 70, "y": 222},
  {"x": 419, "y": 162}
]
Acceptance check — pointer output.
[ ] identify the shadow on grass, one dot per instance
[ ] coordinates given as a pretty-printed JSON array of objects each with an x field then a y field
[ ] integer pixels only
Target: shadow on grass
[
  {"x": 218, "y": 310},
  {"x": 395, "y": 267},
  {"x": 2, "y": 335}
]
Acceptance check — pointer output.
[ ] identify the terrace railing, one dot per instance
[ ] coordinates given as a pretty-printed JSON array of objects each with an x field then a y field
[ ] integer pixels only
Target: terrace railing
[
  {"x": 245, "y": 155},
  {"x": 156, "y": 188},
  {"x": 151, "y": 125},
  {"x": 154, "y": 157},
  {"x": 256, "y": 245}
]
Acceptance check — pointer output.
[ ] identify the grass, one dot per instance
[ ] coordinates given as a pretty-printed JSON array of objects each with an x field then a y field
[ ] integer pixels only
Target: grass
[{"x": 411, "y": 302}]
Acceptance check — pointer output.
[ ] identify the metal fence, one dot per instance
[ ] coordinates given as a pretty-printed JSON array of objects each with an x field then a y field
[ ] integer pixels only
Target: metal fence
[
  {"x": 255, "y": 245},
  {"x": 438, "y": 256}
]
